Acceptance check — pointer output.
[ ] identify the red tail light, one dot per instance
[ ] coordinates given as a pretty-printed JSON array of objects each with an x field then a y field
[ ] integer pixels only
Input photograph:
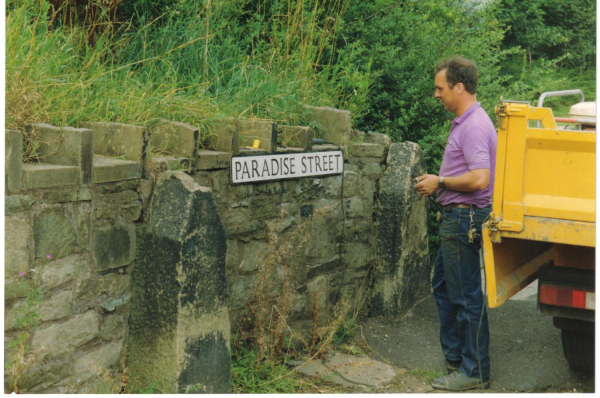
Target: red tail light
[{"x": 567, "y": 297}]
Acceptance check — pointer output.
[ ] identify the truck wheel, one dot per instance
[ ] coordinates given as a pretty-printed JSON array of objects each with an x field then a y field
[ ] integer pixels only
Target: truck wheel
[{"x": 578, "y": 347}]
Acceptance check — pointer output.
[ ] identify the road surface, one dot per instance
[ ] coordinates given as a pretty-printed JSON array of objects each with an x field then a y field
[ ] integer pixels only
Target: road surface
[{"x": 525, "y": 348}]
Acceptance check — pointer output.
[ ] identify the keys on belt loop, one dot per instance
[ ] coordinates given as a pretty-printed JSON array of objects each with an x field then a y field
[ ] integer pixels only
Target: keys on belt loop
[{"x": 472, "y": 230}]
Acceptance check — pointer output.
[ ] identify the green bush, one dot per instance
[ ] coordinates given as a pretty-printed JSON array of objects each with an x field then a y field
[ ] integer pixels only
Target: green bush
[{"x": 552, "y": 29}]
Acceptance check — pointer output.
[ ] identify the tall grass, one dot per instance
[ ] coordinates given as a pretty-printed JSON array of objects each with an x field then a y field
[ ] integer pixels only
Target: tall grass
[{"x": 199, "y": 60}]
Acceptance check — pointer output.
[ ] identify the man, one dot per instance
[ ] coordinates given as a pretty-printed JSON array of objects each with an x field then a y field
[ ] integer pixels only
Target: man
[{"x": 465, "y": 186}]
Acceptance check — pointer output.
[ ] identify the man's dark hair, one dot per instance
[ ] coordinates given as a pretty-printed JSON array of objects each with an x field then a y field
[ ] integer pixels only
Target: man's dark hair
[{"x": 459, "y": 70}]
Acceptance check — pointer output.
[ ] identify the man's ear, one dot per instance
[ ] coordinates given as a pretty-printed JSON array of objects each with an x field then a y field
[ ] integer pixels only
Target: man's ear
[{"x": 460, "y": 88}]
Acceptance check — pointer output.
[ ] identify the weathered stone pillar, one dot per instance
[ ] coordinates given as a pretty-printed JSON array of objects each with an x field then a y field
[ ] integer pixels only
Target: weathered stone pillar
[
  {"x": 403, "y": 267},
  {"x": 179, "y": 326}
]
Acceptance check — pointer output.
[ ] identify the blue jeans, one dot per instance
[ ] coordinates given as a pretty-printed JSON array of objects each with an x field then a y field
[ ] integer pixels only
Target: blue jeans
[{"x": 456, "y": 282}]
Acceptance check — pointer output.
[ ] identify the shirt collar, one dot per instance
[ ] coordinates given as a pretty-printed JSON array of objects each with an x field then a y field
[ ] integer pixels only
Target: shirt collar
[{"x": 467, "y": 113}]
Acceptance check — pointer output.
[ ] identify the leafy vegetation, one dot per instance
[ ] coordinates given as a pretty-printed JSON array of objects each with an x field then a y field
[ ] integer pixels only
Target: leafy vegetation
[{"x": 138, "y": 61}]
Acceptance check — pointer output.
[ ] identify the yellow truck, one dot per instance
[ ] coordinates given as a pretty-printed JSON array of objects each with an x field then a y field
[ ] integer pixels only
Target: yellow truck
[{"x": 542, "y": 224}]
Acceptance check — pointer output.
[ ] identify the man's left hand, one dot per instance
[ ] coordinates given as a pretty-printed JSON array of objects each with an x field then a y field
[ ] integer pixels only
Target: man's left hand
[{"x": 427, "y": 184}]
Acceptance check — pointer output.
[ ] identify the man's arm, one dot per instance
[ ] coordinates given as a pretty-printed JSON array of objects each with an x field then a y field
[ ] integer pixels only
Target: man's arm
[{"x": 471, "y": 181}]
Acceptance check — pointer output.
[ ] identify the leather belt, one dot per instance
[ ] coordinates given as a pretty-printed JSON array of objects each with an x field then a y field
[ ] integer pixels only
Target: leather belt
[{"x": 456, "y": 205}]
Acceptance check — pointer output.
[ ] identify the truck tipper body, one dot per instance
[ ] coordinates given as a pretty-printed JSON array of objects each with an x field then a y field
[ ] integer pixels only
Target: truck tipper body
[{"x": 542, "y": 224}]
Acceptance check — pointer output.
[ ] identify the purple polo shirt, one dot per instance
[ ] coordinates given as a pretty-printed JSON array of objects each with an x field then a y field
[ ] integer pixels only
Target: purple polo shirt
[{"x": 471, "y": 145}]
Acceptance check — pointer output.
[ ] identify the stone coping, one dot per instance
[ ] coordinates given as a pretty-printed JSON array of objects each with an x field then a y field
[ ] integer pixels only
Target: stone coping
[{"x": 107, "y": 152}]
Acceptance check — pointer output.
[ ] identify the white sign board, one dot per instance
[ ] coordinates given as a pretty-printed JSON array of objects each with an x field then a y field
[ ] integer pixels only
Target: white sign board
[{"x": 260, "y": 168}]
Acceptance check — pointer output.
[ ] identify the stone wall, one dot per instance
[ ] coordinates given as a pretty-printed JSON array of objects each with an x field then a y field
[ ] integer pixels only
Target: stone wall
[{"x": 157, "y": 258}]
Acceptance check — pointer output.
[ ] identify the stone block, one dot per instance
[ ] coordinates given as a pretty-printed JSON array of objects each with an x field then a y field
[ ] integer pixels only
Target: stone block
[
  {"x": 132, "y": 211},
  {"x": 252, "y": 152},
  {"x": 145, "y": 190},
  {"x": 122, "y": 140},
  {"x": 358, "y": 255},
  {"x": 351, "y": 183},
  {"x": 107, "y": 291},
  {"x": 326, "y": 148},
  {"x": 290, "y": 208},
  {"x": 222, "y": 136},
  {"x": 367, "y": 150},
  {"x": 265, "y": 207},
  {"x": 253, "y": 255},
  {"x": 12, "y": 314},
  {"x": 290, "y": 150},
  {"x": 59, "y": 339},
  {"x": 16, "y": 203},
  {"x": 233, "y": 257},
  {"x": 13, "y": 147},
  {"x": 129, "y": 197},
  {"x": 43, "y": 375},
  {"x": 89, "y": 365},
  {"x": 320, "y": 245},
  {"x": 263, "y": 130},
  {"x": 113, "y": 326},
  {"x": 56, "y": 306},
  {"x": 296, "y": 137},
  {"x": 163, "y": 163},
  {"x": 362, "y": 161},
  {"x": 66, "y": 146},
  {"x": 54, "y": 232},
  {"x": 332, "y": 125},
  {"x": 58, "y": 272},
  {"x": 372, "y": 171},
  {"x": 402, "y": 271},
  {"x": 323, "y": 268},
  {"x": 177, "y": 139},
  {"x": 211, "y": 160},
  {"x": 17, "y": 287},
  {"x": 17, "y": 244},
  {"x": 110, "y": 169},
  {"x": 63, "y": 196},
  {"x": 114, "y": 246},
  {"x": 333, "y": 186},
  {"x": 116, "y": 187},
  {"x": 241, "y": 288},
  {"x": 354, "y": 207},
  {"x": 179, "y": 324},
  {"x": 106, "y": 207},
  {"x": 377, "y": 138},
  {"x": 40, "y": 175}
]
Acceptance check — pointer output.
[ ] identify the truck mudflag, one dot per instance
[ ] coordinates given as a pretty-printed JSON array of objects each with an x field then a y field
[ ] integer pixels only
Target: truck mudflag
[{"x": 246, "y": 169}]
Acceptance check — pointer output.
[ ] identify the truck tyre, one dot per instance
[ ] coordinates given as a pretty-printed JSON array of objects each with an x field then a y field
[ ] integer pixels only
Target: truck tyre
[{"x": 579, "y": 349}]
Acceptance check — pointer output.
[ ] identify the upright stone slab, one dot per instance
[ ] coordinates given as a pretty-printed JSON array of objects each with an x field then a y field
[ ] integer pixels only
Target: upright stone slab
[
  {"x": 332, "y": 125},
  {"x": 179, "y": 325},
  {"x": 263, "y": 130},
  {"x": 13, "y": 142},
  {"x": 122, "y": 140},
  {"x": 66, "y": 146},
  {"x": 403, "y": 268},
  {"x": 296, "y": 137},
  {"x": 177, "y": 139},
  {"x": 222, "y": 136}
]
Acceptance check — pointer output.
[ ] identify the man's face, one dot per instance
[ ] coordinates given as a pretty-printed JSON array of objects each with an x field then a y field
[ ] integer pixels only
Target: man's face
[{"x": 446, "y": 94}]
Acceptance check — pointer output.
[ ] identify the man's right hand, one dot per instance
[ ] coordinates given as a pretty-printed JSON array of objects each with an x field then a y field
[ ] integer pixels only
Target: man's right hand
[{"x": 427, "y": 184}]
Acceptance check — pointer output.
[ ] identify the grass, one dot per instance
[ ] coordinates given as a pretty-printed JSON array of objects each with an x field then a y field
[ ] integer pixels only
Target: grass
[
  {"x": 428, "y": 374},
  {"x": 187, "y": 65},
  {"x": 251, "y": 375}
]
